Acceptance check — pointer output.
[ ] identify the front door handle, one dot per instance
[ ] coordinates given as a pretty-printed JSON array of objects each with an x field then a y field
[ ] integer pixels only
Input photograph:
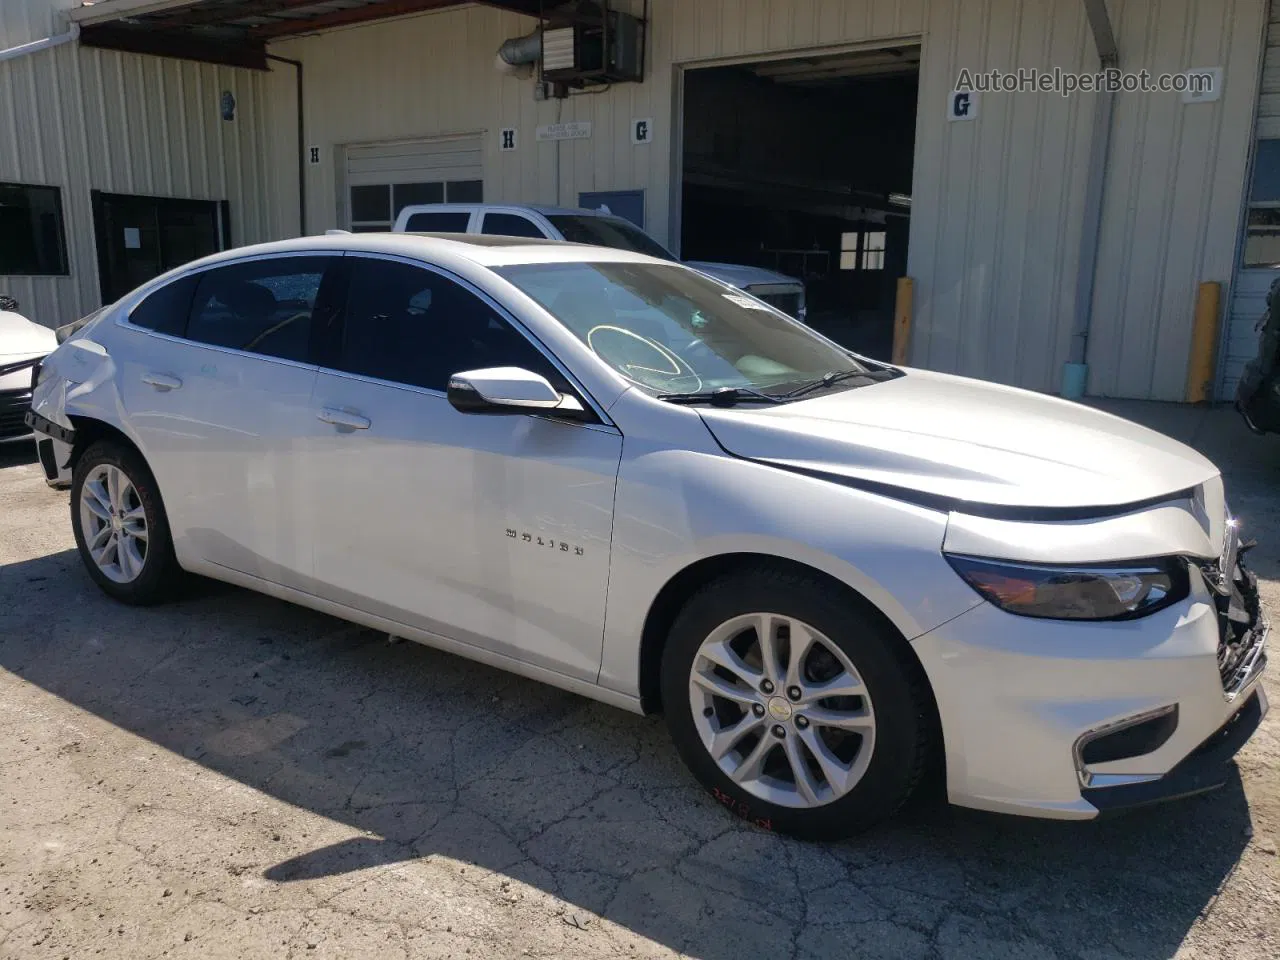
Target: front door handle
[
  {"x": 161, "y": 381},
  {"x": 341, "y": 418}
]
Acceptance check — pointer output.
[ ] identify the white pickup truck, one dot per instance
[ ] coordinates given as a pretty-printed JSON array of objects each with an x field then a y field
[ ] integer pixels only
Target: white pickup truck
[{"x": 597, "y": 227}]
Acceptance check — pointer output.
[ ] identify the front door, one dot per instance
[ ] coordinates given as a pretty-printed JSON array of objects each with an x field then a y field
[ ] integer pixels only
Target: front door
[
  {"x": 218, "y": 387},
  {"x": 489, "y": 530},
  {"x": 139, "y": 238}
]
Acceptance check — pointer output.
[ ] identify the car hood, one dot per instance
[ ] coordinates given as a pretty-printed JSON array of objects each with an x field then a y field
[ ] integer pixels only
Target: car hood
[
  {"x": 962, "y": 440},
  {"x": 743, "y": 276},
  {"x": 20, "y": 338}
]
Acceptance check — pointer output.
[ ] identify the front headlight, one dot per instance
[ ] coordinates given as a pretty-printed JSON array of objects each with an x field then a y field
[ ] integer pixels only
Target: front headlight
[{"x": 1119, "y": 591}]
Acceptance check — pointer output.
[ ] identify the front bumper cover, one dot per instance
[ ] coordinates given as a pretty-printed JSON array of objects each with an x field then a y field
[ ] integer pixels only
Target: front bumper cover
[
  {"x": 46, "y": 426},
  {"x": 1206, "y": 768},
  {"x": 1017, "y": 697}
]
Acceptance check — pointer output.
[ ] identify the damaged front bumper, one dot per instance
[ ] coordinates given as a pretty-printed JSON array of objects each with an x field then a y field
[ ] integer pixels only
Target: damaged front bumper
[
  {"x": 54, "y": 444},
  {"x": 54, "y": 441}
]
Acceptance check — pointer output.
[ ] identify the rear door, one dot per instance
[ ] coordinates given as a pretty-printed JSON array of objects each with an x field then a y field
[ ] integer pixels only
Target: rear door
[
  {"x": 217, "y": 385},
  {"x": 489, "y": 530}
]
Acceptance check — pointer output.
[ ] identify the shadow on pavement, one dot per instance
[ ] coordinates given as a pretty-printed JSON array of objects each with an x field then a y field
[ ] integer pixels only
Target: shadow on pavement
[
  {"x": 17, "y": 453},
  {"x": 434, "y": 755}
]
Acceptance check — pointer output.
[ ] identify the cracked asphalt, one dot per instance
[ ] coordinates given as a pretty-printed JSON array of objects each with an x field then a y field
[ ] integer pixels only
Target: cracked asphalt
[{"x": 231, "y": 776}]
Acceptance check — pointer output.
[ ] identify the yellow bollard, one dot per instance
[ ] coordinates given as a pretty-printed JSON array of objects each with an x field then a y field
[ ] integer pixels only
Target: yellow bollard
[
  {"x": 1204, "y": 342},
  {"x": 902, "y": 321}
]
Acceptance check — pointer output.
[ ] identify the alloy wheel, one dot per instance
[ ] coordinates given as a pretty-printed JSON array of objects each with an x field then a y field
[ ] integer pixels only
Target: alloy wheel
[
  {"x": 781, "y": 710},
  {"x": 114, "y": 523}
]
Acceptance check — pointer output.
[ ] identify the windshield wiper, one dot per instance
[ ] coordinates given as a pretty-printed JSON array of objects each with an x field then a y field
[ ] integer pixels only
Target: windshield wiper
[
  {"x": 834, "y": 377},
  {"x": 721, "y": 397}
]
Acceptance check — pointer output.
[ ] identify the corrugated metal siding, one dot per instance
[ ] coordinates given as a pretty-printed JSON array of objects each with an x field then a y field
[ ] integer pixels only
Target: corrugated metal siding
[
  {"x": 85, "y": 120},
  {"x": 1175, "y": 191},
  {"x": 1249, "y": 291},
  {"x": 998, "y": 201},
  {"x": 997, "y": 211},
  {"x": 22, "y": 21},
  {"x": 995, "y": 230}
]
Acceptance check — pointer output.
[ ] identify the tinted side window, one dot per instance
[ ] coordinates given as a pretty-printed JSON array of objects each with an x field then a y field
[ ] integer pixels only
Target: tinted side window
[
  {"x": 264, "y": 306},
  {"x": 445, "y": 222},
  {"x": 510, "y": 225},
  {"x": 166, "y": 310},
  {"x": 413, "y": 326}
]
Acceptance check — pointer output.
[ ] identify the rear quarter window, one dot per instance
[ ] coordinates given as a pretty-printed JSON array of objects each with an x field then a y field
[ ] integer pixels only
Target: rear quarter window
[{"x": 165, "y": 310}]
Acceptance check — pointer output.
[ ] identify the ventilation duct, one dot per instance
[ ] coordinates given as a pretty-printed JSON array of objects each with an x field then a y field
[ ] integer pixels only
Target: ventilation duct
[{"x": 519, "y": 52}]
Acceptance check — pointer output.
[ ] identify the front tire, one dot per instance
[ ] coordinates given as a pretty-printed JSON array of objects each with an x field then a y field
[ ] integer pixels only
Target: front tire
[
  {"x": 797, "y": 706},
  {"x": 120, "y": 525}
]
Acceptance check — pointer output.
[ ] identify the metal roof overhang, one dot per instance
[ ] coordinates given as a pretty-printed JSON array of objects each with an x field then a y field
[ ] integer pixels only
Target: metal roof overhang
[{"x": 236, "y": 32}]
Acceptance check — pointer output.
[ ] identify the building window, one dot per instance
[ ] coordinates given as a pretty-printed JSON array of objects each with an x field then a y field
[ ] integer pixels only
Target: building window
[
  {"x": 849, "y": 251},
  {"x": 32, "y": 239},
  {"x": 873, "y": 250},
  {"x": 374, "y": 207},
  {"x": 1262, "y": 235},
  {"x": 862, "y": 250}
]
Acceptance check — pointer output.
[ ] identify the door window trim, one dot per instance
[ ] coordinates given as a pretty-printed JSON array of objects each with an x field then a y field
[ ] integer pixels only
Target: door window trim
[
  {"x": 503, "y": 313},
  {"x": 131, "y": 302}
]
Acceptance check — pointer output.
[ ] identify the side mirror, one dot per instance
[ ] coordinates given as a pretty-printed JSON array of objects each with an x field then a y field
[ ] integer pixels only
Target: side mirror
[{"x": 509, "y": 390}]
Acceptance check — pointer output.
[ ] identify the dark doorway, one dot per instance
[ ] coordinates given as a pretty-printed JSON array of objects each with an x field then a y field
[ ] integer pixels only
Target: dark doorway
[
  {"x": 141, "y": 237},
  {"x": 804, "y": 166}
]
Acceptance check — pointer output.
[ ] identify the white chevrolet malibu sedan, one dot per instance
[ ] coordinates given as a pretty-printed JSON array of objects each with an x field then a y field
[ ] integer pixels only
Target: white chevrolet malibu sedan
[{"x": 622, "y": 477}]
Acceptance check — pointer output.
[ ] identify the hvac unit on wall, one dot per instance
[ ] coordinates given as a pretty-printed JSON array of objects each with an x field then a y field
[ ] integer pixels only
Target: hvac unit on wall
[{"x": 582, "y": 44}]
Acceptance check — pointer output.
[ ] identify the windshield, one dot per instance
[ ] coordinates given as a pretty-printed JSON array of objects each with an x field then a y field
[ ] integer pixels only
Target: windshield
[
  {"x": 608, "y": 232},
  {"x": 672, "y": 330}
]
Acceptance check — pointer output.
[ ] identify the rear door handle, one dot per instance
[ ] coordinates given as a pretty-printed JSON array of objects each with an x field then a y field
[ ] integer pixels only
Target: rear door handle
[
  {"x": 161, "y": 381},
  {"x": 341, "y": 418}
]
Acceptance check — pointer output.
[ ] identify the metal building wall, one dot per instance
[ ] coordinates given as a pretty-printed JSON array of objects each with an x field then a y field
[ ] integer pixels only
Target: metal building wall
[
  {"x": 22, "y": 21},
  {"x": 1175, "y": 192},
  {"x": 84, "y": 120},
  {"x": 997, "y": 214},
  {"x": 997, "y": 201}
]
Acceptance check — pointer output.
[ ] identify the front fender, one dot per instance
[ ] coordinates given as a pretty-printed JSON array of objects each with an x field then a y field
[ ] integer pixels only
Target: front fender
[
  {"x": 78, "y": 380},
  {"x": 676, "y": 507}
]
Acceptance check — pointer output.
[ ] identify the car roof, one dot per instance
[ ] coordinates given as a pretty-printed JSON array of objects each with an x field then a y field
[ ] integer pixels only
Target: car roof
[{"x": 440, "y": 248}]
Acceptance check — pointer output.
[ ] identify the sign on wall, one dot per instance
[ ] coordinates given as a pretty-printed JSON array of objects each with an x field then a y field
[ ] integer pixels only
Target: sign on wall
[
  {"x": 313, "y": 156},
  {"x": 642, "y": 130},
  {"x": 1203, "y": 85},
  {"x": 507, "y": 139},
  {"x": 962, "y": 105},
  {"x": 572, "y": 130}
]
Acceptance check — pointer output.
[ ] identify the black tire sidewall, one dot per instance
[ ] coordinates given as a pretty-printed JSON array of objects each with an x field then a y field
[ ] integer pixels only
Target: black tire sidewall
[
  {"x": 153, "y": 583},
  {"x": 902, "y": 716}
]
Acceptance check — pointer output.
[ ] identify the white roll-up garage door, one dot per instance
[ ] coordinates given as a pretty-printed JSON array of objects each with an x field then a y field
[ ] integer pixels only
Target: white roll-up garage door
[
  {"x": 1260, "y": 252},
  {"x": 383, "y": 178}
]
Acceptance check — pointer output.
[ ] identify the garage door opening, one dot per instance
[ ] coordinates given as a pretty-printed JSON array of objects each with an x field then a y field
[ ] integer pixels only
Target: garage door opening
[{"x": 804, "y": 166}]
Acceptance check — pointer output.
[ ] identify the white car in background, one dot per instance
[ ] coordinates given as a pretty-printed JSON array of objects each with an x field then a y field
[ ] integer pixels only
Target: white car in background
[
  {"x": 617, "y": 475},
  {"x": 23, "y": 344},
  {"x": 599, "y": 228}
]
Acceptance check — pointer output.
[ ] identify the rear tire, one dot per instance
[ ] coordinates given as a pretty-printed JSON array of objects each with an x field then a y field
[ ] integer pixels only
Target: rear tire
[
  {"x": 120, "y": 525},
  {"x": 860, "y": 754}
]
